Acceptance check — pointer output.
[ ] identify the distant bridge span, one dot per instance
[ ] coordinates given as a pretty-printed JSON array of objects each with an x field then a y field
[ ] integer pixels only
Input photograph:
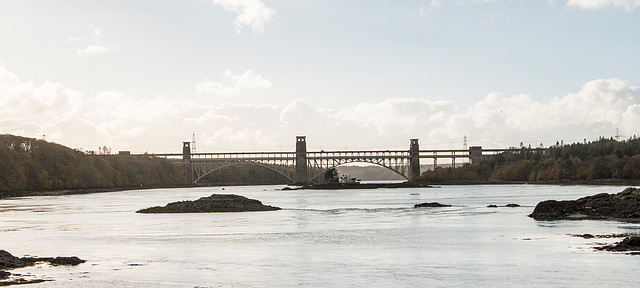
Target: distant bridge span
[{"x": 303, "y": 167}]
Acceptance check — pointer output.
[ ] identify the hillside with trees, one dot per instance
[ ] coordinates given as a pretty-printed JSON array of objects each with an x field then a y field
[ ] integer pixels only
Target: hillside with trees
[
  {"x": 28, "y": 164},
  {"x": 601, "y": 161}
]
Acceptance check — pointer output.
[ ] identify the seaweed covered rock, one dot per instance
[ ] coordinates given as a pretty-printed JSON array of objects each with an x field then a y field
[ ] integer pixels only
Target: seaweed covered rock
[
  {"x": 8, "y": 262},
  {"x": 621, "y": 206},
  {"x": 213, "y": 203},
  {"x": 430, "y": 204},
  {"x": 631, "y": 243}
]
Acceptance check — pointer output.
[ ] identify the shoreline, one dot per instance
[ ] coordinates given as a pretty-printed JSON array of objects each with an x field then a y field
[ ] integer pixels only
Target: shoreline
[{"x": 597, "y": 182}]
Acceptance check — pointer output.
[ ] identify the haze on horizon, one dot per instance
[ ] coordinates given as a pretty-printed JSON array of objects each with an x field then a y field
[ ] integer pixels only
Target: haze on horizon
[{"x": 247, "y": 75}]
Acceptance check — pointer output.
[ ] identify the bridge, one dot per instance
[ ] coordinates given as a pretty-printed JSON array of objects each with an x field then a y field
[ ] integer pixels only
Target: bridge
[{"x": 303, "y": 167}]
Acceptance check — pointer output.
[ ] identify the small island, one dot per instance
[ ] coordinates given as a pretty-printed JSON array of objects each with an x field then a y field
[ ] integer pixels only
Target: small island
[
  {"x": 213, "y": 203},
  {"x": 623, "y": 206}
]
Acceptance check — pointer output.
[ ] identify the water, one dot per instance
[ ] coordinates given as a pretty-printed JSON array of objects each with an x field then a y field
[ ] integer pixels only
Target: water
[{"x": 331, "y": 238}]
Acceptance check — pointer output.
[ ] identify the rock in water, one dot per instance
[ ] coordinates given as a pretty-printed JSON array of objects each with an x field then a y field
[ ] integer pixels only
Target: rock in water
[
  {"x": 213, "y": 203},
  {"x": 430, "y": 204},
  {"x": 8, "y": 262},
  {"x": 631, "y": 243},
  {"x": 622, "y": 206}
]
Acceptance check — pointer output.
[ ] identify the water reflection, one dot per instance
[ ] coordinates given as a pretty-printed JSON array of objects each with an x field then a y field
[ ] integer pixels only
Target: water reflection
[{"x": 321, "y": 238}]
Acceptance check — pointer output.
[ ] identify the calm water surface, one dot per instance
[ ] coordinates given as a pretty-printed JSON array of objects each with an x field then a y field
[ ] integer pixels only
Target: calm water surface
[{"x": 337, "y": 238}]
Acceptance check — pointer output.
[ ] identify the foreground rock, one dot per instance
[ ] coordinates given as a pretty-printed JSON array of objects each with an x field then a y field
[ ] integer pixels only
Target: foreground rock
[
  {"x": 213, "y": 203},
  {"x": 430, "y": 204},
  {"x": 624, "y": 206},
  {"x": 629, "y": 244},
  {"x": 512, "y": 205},
  {"x": 8, "y": 262}
]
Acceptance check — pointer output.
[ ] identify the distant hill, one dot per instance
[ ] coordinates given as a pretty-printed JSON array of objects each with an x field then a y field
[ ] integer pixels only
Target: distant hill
[{"x": 28, "y": 164}]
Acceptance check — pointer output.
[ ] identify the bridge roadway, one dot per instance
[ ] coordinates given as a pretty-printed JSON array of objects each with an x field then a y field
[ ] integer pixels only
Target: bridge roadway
[{"x": 302, "y": 167}]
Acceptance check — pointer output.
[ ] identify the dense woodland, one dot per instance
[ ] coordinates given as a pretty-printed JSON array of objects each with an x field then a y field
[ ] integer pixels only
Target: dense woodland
[
  {"x": 28, "y": 164},
  {"x": 604, "y": 159}
]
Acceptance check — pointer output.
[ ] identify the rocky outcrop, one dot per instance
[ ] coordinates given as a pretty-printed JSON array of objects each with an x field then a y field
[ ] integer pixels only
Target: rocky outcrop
[
  {"x": 631, "y": 243},
  {"x": 512, "y": 205},
  {"x": 213, "y": 203},
  {"x": 623, "y": 206},
  {"x": 430, "y": 204},
  {"x": 8, "y": 262}
]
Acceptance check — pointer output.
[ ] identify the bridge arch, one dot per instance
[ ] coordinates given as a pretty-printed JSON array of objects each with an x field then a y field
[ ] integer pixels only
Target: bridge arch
[
  {"x": 287, "y": 173},
  {"x": 398, "y": 170}
]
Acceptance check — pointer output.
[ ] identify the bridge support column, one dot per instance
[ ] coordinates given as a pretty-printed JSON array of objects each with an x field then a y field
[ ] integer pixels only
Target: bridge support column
[
  {"x": 475, "y": 154},
  {"x": 186, "y": 160},
  {"x": 414, "y": 160},
  {"x": 301, "y": 176}
]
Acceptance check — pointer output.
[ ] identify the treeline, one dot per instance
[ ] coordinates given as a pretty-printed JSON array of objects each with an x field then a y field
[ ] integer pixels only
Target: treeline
[
  {"x": 28, "y": 164},
  {"x": 603, "y": 159}
]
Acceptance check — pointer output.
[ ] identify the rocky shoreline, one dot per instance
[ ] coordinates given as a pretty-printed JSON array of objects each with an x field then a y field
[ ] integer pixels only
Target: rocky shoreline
[
  {"x": 9, "y": 262},
  {"x": 623, "y": 206},
  {"x": 213, "y": 203}
]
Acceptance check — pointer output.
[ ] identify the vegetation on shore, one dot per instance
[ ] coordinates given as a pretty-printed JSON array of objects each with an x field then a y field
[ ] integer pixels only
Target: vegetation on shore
[
  {"x": 604, "y": 159},
  {"x": 36, "y": 165}
]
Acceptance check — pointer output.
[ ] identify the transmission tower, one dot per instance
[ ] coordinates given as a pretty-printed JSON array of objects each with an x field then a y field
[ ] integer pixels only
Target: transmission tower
[
  {"x": 465, "y": 146},
  {"x": 193, "y": 143},
  {"x": 618, "y": 136}
]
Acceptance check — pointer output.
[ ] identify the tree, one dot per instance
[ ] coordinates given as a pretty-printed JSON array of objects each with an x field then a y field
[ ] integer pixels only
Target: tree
[{"x": 331, "y": 175}]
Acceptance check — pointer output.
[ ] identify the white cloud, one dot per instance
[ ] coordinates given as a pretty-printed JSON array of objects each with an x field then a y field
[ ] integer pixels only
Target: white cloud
[
  {"x": 598, "y": 4},
  {"x": 20, "y": 98},
  {"x": 96, "y": 48},
  {"x": 234, "y": 85},
  {"x": 422, "y": 13},
  {"x": 596, "y": 110},
  {"x": 93, "y": 50},
  {"x": 252, "y": 13},
  {"x": 127, "y": 121}
]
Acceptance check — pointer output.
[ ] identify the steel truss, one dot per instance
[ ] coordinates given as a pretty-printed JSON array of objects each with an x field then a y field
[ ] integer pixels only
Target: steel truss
[
  {"x": 203, "y": 164},
  {"x": 396, "y": 161}
]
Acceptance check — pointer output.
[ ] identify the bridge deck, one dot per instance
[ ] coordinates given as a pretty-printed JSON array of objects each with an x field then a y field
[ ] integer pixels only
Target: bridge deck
[{"x": 399, "y": 154}]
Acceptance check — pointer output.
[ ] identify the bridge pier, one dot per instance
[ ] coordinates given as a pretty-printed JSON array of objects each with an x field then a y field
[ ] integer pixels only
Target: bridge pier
[
  {"x": 301, "y": 175},
  {"x": 475, "y": 154},
  {"x": 414, "y": 159},
  {"x": 186, "y": 160}
]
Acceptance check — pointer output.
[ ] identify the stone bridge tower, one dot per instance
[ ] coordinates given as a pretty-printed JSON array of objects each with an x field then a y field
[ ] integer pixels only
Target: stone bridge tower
[
  {"x": 186, "y": 160},
  {"x": 475, "y": 154},
  {"x": 414, "y": 159},
  {"x": 301, "y": 174}
]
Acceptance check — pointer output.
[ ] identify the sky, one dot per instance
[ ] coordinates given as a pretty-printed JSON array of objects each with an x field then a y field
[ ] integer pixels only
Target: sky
[{"x": 251, "y": 75}]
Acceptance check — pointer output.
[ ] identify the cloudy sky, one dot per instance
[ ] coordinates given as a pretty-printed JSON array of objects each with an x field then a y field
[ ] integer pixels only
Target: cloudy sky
[{"x": 246, "y": 75}]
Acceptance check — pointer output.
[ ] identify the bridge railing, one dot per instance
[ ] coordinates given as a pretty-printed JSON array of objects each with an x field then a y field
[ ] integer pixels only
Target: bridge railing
[{"x": 257, "y": 156}]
